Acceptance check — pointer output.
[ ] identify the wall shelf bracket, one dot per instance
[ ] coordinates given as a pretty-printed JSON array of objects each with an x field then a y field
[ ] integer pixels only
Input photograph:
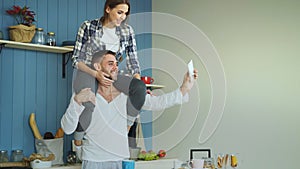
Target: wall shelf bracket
[
  {"x": 65, "y": 62},
  {"x": 2, "y": 45}
]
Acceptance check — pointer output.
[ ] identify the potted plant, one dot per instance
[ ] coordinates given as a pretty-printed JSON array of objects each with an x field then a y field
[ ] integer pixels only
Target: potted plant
[{"x": 25, "y": 30}]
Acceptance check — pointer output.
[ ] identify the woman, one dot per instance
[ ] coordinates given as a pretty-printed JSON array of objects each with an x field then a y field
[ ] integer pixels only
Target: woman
[{"x": 110, "y": 32}]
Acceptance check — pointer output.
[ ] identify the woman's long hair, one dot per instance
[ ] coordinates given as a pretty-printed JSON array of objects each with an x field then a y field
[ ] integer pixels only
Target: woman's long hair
[{"x": 112, "y": 4}]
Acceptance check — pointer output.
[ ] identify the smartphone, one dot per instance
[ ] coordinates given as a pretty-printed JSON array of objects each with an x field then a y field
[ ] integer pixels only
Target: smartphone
[{"x": 191, "y": 69}]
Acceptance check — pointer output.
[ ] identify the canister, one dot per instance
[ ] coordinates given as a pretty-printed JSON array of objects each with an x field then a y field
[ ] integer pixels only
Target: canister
[
  {"x": 3, "y": 156},
  {"x": 51, "y": 41},
  {"x": 39, "y": 37},
  {"x": 17, "y": 155}
]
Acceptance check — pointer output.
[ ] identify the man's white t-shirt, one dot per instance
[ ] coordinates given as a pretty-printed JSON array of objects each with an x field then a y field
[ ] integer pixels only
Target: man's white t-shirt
[{"x": 106, "y": 137}]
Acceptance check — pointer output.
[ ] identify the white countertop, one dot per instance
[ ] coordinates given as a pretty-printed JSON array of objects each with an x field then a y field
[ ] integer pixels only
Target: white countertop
[{"x": 75, "y": 166}]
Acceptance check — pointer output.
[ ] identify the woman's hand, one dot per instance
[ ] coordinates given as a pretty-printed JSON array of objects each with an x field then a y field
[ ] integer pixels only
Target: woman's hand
[
  {"x": 137, "y": 76},
  {"x": 98, "y": 74},
  {"x": 103, "y": 80}
]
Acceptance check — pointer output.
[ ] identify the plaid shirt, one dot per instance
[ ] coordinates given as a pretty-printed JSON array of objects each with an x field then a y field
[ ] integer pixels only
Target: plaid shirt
[{"x": 88, "y": 41}]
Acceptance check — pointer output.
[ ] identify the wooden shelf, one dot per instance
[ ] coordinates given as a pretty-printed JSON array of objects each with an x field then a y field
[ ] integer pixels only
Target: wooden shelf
[
  {"x": 41, "y": 48},
  {"x": 14, "y": 164},
  {"x": 36, "y": 47}
]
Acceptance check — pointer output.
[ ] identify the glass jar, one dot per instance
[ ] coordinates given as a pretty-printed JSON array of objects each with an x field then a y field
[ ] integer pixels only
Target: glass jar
[
  {"x": 17, "y": 155},
  {"x": 3, "y": 156},
  {"x": 51, "y": 39},
  {"x": 39, "y": 37}
]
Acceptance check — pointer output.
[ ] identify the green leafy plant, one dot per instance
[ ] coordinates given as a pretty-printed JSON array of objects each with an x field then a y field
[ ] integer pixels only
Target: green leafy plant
[{"x": 22, "y": 15}]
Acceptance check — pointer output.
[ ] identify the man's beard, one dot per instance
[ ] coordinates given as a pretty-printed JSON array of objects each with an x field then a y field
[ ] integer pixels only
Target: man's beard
[{"x": 111, "y": 75}]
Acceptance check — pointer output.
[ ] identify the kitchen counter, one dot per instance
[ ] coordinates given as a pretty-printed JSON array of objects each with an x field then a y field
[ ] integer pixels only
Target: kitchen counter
[
  {"x": 75, "y": 166},
  {"x": 158, "y": 164}
]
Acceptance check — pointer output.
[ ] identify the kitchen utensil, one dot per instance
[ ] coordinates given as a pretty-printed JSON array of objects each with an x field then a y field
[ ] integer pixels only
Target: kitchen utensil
[
  {"x": 235, "y": 160},
  {"x": 228, "y": 160}
]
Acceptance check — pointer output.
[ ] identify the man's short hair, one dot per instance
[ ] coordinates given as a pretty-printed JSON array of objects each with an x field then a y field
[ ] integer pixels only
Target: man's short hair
[{"x": 97, "y": 56}]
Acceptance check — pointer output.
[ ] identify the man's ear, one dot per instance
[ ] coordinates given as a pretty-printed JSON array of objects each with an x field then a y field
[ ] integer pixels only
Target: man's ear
[
  {"x": 97, "y": 66},
  {"x": 107, "y": 10}
]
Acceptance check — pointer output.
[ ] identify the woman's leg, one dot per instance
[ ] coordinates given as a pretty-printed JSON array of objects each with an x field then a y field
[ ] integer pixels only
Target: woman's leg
[
  {"x": 136, "y": 91},
  {"x": 84, "y": 80}
]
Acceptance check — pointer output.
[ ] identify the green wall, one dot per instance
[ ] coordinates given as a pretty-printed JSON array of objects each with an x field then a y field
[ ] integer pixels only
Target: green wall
[{"x": 258, "y": 46}]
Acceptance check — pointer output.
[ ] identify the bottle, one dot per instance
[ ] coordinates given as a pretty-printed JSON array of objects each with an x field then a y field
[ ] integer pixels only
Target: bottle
[
  {"x": 51, "y": 39},
  {"x": 39, "y": 37},
  {"x": 3, "y": 156},
  {"x": 17, "y": 155}
]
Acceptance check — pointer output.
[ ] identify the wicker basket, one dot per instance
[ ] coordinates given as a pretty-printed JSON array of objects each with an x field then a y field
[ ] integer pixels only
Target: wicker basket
[{"x": 21, "y": 33}]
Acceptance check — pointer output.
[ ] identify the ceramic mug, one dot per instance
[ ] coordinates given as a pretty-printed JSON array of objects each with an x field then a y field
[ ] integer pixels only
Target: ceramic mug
[
  {"x": 196, "y": 163},
  {"x": 147, "y": 79}
]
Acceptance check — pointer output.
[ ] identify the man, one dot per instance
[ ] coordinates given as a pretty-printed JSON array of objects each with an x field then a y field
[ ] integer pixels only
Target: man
[{"x": 106, "y": 142}]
